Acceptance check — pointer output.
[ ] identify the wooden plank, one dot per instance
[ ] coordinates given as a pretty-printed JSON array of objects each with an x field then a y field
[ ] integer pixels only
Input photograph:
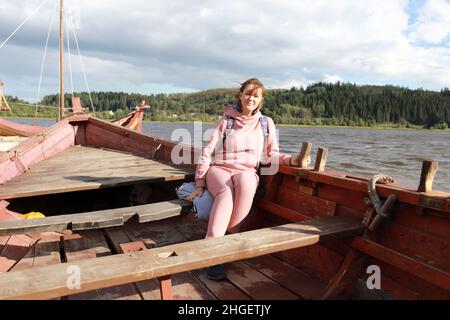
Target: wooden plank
[
  {"x": 424, "y": 247},
  {"x": 158, "y": 262},
  {"x": 407, "y": 194},
  {"x": 156, "y": 234},
  {"x": 150, "y": 146},
  {"x": 54, "y": 176},
  {"x": 349, "y": 198},
  {"x": 311, "y": 260},
  {"x": 321, "y": 159},
  {"x": 408, "y": 283},
  {"x": 189, "y": 229},
  {"x": 285, "y": 213},
  {"x": 184, "y": 286},
  {"x": 45, "y": 252},
  {"x": 88, "y": 245},
  {"x": 271, "y": 184},
  {"x": 14, "y": 248},
  {"x": 222, "y": 290},
  {"x": 305, "y": 154},
  {"x": 286, "y": 275},
  {"x": 39, "y": 147},
  {"x": 187, "y": 287},
  {"x": 427, "y": 174},
  {"x": 438, "y": 277},
  {"x": 97, "y": 219},
  {"x": 428, "y": 221},
  {"x": 256, "y": 284},
  {"x": 308, "y": 205}
]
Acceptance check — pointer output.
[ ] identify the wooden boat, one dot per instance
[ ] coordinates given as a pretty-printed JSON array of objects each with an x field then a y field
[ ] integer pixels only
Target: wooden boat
[{"x": 314, "y": 234}]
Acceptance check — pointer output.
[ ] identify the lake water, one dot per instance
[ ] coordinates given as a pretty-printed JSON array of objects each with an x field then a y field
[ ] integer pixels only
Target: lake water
[{"x": 398, "y": 153}]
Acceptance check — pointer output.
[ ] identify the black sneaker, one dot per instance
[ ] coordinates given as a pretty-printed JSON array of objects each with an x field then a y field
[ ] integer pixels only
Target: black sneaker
[{"x": 216, "y": 272}]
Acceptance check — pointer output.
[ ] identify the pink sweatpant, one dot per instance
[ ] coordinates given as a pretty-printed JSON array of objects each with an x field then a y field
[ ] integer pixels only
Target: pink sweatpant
[{"x": 233, "y": 192}]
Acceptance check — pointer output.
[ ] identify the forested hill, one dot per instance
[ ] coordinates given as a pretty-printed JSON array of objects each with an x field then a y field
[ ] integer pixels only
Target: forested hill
[{"x": 318, "y": 104}]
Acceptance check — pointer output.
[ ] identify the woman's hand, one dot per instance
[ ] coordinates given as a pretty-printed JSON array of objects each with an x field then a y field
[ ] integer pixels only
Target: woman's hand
[
  {"x": 196, "y": 193},
  {"x": 295, "y": 160}
]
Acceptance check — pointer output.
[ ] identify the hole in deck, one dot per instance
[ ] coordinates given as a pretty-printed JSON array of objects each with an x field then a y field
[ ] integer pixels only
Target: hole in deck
[
  {"x": 167, "y": 254},
  {"x": 99, "y": 199}
]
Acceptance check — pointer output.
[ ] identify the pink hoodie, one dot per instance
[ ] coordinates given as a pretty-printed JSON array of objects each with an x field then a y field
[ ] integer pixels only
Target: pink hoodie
[{"x": 243, "y": 145}]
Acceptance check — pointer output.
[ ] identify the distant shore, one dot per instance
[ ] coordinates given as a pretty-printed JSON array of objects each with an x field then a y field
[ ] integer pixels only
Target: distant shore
[{"x": 377, "y": 127}]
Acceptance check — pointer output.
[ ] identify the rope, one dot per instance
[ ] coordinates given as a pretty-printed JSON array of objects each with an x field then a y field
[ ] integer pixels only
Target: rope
[
  {"x": 20, "y": 26},
  {"x": 84, "y": 72},
  {"x": 373, "y": 192},
  {"x": 68, "y": 50},
  {"x": 43, "y": 60}
]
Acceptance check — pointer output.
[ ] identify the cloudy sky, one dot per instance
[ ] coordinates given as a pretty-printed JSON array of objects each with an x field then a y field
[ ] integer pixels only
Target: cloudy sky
[{"x": 156, "y": 46}]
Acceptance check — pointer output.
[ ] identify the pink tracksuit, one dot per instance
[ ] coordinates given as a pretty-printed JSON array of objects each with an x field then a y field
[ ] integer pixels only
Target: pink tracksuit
[{"x": 229, "y": 171}]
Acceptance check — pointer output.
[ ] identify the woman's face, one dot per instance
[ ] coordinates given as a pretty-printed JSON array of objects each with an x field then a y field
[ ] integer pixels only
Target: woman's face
[{"x": 250, "y": 99}]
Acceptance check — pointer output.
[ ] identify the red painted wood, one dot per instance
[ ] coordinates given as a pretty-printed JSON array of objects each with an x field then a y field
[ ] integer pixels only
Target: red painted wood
[{"x": 437, "y": 277}]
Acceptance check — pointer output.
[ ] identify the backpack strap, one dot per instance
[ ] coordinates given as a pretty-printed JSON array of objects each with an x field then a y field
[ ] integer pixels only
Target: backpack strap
[
  {"x": 264, "y": 127},
  {"x": 265, "y": 133},
  {"x": 230, "y": 122}
]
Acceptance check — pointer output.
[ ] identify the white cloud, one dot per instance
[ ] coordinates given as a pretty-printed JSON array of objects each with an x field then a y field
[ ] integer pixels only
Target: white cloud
[
  {"x": 193, "y": 45},
  {"x": 433, "y": 22},
  {"x": 332, "y": 78}
]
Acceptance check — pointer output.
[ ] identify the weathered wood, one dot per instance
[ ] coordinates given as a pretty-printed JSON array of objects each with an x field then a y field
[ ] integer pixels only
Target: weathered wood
[
  {"x": 408, "y": 281},
  {"x": 408, "y": 194},
  {"x": 308, "y": 205},
  {"x": 285, "y": 213},
  {"x": 305, "y": 154},
  {"x": 88, "y": 245},
  {"x": 255, "y": 284},
  {"x": 436, "y": 276},
  {"x": 429, "y": 169},
  {"x": 418, "y": 244},
  {"x": 384, "y": 213},
  {"x": 30, "y": 152},
  {"x": 13, "y": 249},
  {"x": 156, "y": 234},
  {"x": 90, "y": 168},
  {"x": 321, "y": 160},
  {"x": 96, "y": 219},
  {"x": 136, "y": 266},
  {"x": 45, "y": 252},
  {"x": 289, "y": 277},
  {"x": 271, "y": 184},
  {"x": 222, "y": 290}
]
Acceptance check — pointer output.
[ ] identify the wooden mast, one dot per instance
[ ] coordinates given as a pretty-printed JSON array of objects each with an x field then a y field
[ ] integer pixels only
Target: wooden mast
[
  {"x": 61, "y": 62},
  {"x": 3, "y": 103}
]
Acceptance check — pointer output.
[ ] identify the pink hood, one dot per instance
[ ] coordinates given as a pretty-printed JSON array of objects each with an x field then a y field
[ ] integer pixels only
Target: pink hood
[{"x": 241, "y": 120}]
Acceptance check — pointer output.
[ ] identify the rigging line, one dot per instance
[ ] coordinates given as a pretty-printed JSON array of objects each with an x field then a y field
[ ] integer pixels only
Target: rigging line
[
  {"x": 43, "y": 59},
  {"x": 68, "y": 50},
  {"x": 31, "y": 105},
  {"x": 84, "y": 72},
  {"x": 20, "y": 26}
]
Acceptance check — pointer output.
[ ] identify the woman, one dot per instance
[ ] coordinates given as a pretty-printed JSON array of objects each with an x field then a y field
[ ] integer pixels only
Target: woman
[{"x": 229, "y": 162}]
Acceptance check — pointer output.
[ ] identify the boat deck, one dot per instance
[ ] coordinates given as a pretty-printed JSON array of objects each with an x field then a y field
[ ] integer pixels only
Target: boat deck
[
  {"x": 87, "y": 168},
  {"x": 260, "y": 278},
  {"x": 8, "y": 142}
]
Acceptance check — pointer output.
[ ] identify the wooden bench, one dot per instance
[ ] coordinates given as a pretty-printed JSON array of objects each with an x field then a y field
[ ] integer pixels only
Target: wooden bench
[
  {"x": 51, "y": 281},
  {"x": 96, "y": 219}
]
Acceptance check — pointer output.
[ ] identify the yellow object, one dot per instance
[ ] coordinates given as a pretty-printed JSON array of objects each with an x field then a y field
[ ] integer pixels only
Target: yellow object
[{"x": 32, "y": 215}]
